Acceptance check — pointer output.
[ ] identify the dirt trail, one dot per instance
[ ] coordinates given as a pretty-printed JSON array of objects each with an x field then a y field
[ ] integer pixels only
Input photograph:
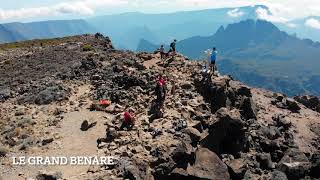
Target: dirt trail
[{"x": 69, "y": 141}]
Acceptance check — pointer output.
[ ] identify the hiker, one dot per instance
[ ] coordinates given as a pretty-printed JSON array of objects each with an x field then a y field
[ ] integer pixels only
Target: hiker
[
  {"x": 173, "y": 88},
  {"x": 129, "y": 119},
  {"x": 162, "y": 53},
  {"x": 213, "y": 59},
  {"x": 206, "y": 68},
  {"x": 161, "y": 90},
  {"x": 173, "y": 47}
]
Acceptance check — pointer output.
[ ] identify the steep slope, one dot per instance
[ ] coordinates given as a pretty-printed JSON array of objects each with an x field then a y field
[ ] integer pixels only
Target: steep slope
[
  {"x": 211, "y": 128},
  {"x": 259, "y": 54},
  {"x": 46, "y": 29}
]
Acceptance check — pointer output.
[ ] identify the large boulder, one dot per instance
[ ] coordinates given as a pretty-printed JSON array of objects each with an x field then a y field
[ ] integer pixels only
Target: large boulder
[
  {"x": 265, "y": 161},
  {"x": 137, "y": 170},
  {"x": 181, "y": 154},
  {"x": 282, "y": 121},
  {"x": 207, "y": 165},
  {"x": 270, "y": 132},
  {"x": 248, "y": 108},
  {"x": 226, "y": 133},
  {"x": 237, "y": 168},
  {"x": 240, "y": 89},
  {"x": 294, "y": 164},
  {"x": 292, "y": 105},
  {"x": 215, "y": 92},
  {"x": 278, "y": 175},
  {"x": 193, "y": 133}
]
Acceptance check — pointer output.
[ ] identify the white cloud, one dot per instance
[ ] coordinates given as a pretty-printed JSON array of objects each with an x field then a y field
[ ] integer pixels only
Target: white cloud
[
  {"x": 80, "y": 7},
  {"x": 314, "y": 23},
  {"x": 281, "y": 11},
  {"x": 273, "y": 17},
  {"x": 291, "y": 25},
  {"x": 264, "y": 14},
  {"x": 235, "y": 13}
]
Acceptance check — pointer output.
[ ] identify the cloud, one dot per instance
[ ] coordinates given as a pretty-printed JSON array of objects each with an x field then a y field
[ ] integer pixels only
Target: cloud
[
  {"x": 80, "y": 7},
  {"x": 235, "y": 13},
  {"x": 280, "y": 11},
  {"x": 266, "y": 15},
  {"x": 314, "y": 23},
  {"x": 291, "y": 25}
]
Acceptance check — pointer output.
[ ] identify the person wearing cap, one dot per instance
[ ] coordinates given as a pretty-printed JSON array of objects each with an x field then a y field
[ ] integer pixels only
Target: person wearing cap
[{"x": 128, "y": 120}]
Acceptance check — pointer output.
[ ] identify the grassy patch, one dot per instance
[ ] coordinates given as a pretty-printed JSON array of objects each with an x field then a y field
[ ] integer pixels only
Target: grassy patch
[
  {"x": 7, "y": 62},
  {"x": 88, "y": 47}
]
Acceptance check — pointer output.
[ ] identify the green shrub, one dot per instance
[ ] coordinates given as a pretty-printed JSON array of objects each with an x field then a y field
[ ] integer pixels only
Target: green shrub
[
  {"x": 7, "y": 62},
  {"x": 87, "y": 47}
]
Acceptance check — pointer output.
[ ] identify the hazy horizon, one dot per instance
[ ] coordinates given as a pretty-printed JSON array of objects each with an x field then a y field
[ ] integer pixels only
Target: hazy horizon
[{"x": 36, "y": 10}]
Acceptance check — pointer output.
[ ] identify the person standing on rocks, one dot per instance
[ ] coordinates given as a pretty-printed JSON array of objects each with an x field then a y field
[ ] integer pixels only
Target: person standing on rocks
[
  {"x": 173, "y": 47},
  {"x": 129, "y": 119},
  {"x": 213, "y": 59},
  {"x": 161, "y": 91},
  {"x": 173, "y": 88},
  {"x": 162, "y": 53}
]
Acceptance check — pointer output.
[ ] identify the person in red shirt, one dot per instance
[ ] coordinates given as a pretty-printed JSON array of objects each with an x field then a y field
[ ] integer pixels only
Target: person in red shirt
[
  {"x": 161, "y": 89},
  {"x": 128, "y": 120}
]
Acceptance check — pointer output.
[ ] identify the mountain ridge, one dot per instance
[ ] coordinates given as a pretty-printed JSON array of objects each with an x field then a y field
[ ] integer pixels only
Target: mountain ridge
[
  {"x": 262, "y": 50},
  {"x": 45, "y": 29}
]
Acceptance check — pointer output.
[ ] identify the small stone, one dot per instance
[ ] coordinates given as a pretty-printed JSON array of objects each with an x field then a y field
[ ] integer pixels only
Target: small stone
[
  {"x": 3, "y": 151},
  {"x": 47, "y": 141},
  {"x": 43, "y": 175},
  {"x": 85, "y": 125},
  {"x": 19, "y": 113}
]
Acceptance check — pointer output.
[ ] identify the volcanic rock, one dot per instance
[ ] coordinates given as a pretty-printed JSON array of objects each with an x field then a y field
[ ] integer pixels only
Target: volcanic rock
[{"x": 207, "y": 165}]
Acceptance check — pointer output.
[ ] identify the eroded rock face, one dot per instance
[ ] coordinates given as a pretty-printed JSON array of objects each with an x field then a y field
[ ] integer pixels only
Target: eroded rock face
[
  {"x": 226, "y": 133},
  {"x": 248, "y": 108},
  {"x": 224, "y": 92}
]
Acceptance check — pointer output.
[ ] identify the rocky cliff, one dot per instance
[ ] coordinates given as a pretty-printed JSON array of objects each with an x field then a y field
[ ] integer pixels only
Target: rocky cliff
[{"x": 212, "y": 128}]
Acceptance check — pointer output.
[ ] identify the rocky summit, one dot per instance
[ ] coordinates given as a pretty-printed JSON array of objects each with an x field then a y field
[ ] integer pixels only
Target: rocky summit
[{"x": 211, "y": 127}]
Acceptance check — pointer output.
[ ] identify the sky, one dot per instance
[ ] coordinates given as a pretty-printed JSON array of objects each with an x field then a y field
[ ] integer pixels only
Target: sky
[{"x": 33, "y": 10}]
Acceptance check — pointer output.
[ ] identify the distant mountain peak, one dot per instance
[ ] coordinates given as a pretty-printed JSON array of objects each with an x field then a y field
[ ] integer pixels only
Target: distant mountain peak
[{"x": 220, "y": 30}]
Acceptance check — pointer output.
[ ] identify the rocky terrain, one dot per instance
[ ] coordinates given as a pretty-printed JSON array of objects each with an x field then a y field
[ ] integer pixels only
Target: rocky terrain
[{"x": 212, "y": 128}]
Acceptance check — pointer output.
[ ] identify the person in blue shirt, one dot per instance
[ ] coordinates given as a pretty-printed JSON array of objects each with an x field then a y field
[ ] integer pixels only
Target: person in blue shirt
[{"x": 213, "y": 59}]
